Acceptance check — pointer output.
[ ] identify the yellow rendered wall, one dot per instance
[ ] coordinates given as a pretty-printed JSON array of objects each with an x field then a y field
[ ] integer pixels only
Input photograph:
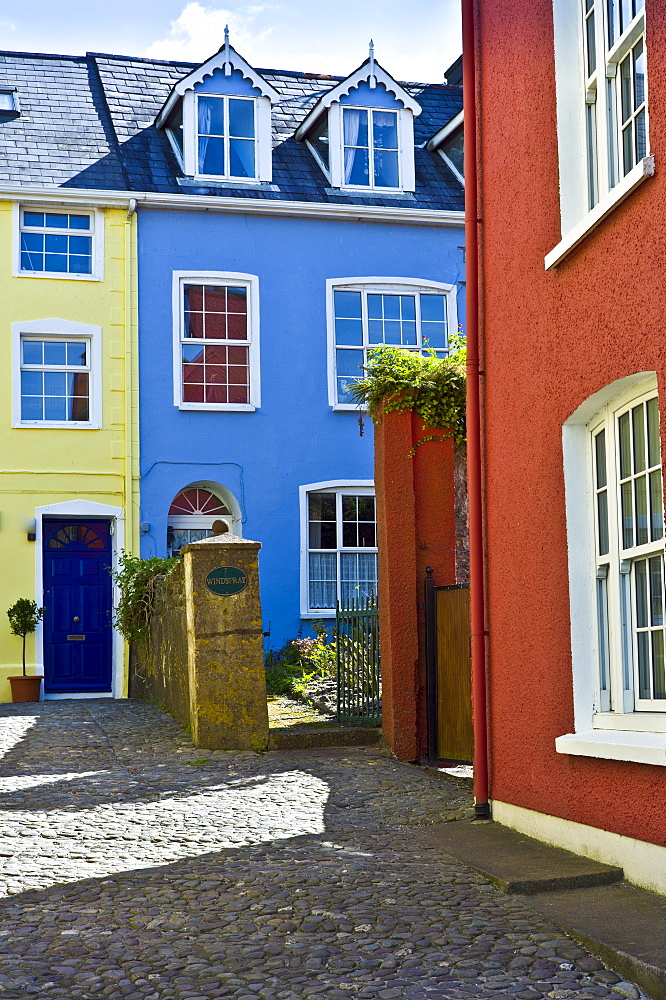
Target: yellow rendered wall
[{"x": 40, "y": 466}]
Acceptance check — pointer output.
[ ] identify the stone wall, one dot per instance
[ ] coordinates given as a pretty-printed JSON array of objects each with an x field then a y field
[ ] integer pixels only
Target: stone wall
[{"x": 160, "y": 670}]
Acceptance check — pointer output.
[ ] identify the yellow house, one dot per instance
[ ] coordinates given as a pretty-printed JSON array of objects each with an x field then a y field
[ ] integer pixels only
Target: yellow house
[{"x": 68, "y": 431}]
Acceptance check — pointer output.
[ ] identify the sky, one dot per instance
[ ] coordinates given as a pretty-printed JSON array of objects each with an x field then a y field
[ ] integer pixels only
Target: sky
[{"x": 414, "y": 41}]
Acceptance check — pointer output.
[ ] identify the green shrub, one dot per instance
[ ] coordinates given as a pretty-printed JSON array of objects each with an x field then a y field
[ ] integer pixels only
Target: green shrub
[
  {"x": 135, "y": 578},
  {"x": 290, "y": 670},
  {"x": 433, "y": 387}
]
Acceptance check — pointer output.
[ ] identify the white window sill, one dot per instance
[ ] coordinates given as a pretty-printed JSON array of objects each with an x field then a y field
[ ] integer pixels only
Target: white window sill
[
  {"x": 633, "y": 179},
  {"x": 314, "y": 615},
  {"x": 370, "y": 192},
  {"x": 219, "y": 407},
  {"x": 348, "y": 408},
  {"x": 203, "y": 180},
  {"x": 70, "y": 425},
  {"x": 639, "y": 748},
  {"x": 635, "y": 722},
  {"x": 60, "y": 275}
]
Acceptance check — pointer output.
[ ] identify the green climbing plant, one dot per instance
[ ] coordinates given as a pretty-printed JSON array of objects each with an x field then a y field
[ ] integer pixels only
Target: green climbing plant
[
  {"x": 135, "y": 579},
  {"x": 397, "y": 381}
]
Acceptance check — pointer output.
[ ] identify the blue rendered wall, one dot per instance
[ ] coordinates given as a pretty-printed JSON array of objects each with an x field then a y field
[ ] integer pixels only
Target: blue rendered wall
[{"x": 294, "y": 438}]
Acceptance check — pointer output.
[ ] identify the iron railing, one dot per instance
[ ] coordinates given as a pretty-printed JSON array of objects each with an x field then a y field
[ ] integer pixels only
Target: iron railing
[{"x": 358, "y": 667}]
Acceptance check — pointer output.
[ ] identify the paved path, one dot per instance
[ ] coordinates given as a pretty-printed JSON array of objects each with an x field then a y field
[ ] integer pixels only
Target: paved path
[{"x": 133, "y": 865}]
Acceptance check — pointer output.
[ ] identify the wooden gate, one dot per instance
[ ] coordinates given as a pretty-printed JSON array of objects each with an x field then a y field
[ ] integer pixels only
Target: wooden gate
[{"x": 450, "y": 735}]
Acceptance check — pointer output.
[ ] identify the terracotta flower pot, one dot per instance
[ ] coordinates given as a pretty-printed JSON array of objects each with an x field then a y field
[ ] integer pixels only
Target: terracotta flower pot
[{"x": 25, "y": 688}]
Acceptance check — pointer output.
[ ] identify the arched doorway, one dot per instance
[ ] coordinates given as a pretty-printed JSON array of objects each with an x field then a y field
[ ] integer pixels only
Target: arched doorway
[{"x": 194, "y": 510}]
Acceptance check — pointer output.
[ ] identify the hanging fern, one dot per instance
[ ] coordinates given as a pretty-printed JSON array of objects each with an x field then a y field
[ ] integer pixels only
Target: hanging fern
[{"x": 397, "y": 381}]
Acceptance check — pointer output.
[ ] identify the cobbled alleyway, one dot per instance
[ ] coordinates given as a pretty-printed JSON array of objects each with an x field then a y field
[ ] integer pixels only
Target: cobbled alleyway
[{"x": 134, "y": 865}]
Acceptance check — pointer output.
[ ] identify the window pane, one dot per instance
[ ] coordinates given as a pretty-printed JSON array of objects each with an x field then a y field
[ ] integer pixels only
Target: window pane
[
  {"x": 55, "y": 383},
  {"x": 625, "y": 446},
  {"x": 57, "y": 221},
  {"x": 347, "y": 305},
  {"x": 640, "y": 570},
  {"x": 392, "y": 331},
  {"x": 654, "y": 444},
  {"x": 241, "y": 119},
  {"x": 639, "y": 73},
  {"x": 433, "y": 335},
  {"x": 32, "y": 408},
  {"x": 241, "y": 157},
  {"x": 33, "y": 218},
  {"x": 358, "y": 572},
  {"x": 600, "y": 454},
  {"x": 349, "y": 362},
  {"x": 386, "y": 169},
  {"x": 602, "y": 631},
  {"x": 355, "y": 125},
  {"x": 408, "y": 307},
  {"x": 32, "y": 352},
  {"x": 357, "y": 166},
  {"x": 628, "y": 148},
  {"x": 658, "y": 664},
  {"x": 76, "y": 354},
  {"x": 55, "y": 354},
  {"x": 211, "y": 115},
  {"x": 627, "y": 517},
  {"x": 349, "y": 331},
  {"x": 591, "y": 45},
  {"x": 32, "y": 383},
  {"x": 656, "y": 506},
  {"x": 55, "y": 408},
  {"x": 453, "y": 147},
  {"x": 79, "y": 222},
  {"x": 656, "y": 594},
  {"x": 640, "y": 487},
  {"x": 433, "y": 308},
  {"x": 385, "y": 130},
  {"x": 80, "y": 265},
  {"x": 602, "y": 518},
  {"x": 322, "y": 506},
  {"x": 643, "y": 643},
  {"x": 641, "y": 136},
  {"x": 391, "y": 305},
  {"x": 211, "y": 156},
  {"x": 349, "y": 508},
  {"x": 639, "y": 438},
  {"x": 322, "y": 580}
]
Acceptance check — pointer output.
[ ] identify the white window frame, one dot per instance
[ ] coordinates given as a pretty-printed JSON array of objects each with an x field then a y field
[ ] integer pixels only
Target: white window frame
[
  {"x": 97, "y": 225},
  {"x": 59, "y": 329},
  {"x": 576, "y": 91},
  {"x": 391, "y": 286},
  {"x": 262, "y": 140},
  {"x": 406, "y": 170},
  {"x": 606, "y": 727},
  {"x": 359, "y": 487},
  {"x": 236, "y": 278}
]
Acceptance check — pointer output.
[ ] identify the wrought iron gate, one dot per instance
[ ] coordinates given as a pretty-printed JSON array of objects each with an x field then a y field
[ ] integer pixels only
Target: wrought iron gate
[{"x": 359, "y": 677}]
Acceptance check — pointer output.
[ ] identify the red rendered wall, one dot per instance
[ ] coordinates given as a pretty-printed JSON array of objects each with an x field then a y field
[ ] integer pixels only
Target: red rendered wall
[
  {"x": 416, "y": 528},
  {"x": 550, "y": 340}
]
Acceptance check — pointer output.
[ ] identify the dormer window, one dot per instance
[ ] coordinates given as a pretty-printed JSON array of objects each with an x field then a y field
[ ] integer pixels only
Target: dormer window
[
  {"x": 226, "y": 136},
  {"x": 9, "y": 104},
  {"x": 218, "y": 120},
  {"x": 449, "y": 142},
  {"x": 362, "y": 132},
  {"x": 371, "y": 148}
]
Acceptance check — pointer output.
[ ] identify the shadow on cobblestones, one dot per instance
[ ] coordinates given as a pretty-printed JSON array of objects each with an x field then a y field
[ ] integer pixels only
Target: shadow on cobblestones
[{"x": 149, "y": 869}]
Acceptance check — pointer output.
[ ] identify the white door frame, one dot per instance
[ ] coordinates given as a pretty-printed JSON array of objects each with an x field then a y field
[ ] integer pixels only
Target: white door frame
[{"x": 94, "y": 511}]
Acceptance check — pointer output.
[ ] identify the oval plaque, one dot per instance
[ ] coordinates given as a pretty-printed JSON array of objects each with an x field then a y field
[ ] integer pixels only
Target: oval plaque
[{"x": 226, "y": 580}]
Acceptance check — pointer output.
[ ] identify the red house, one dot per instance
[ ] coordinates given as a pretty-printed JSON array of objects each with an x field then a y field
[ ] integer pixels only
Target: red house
[{"x": 571, "y": 157}]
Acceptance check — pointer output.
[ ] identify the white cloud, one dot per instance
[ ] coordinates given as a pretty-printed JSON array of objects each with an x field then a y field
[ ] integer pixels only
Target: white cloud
[{"x": 199, "y": 32}]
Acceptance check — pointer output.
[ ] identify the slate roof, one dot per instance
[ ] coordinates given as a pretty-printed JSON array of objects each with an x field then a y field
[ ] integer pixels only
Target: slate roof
[{"x": 87, "y": 122}]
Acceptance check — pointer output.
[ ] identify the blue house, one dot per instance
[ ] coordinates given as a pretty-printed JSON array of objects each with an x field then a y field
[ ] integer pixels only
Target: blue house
[
  {"x": 287, "y": 223},
  {"x": 300, "y": 221}
]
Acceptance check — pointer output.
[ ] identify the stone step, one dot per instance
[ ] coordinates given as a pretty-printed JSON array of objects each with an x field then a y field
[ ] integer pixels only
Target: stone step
[
  {"x": 310, "y": 738},
  {"x": 515, "y": 863}
]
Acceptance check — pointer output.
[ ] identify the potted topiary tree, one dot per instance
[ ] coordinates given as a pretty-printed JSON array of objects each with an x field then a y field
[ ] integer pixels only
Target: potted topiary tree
[{"x": 24, "y": 617}]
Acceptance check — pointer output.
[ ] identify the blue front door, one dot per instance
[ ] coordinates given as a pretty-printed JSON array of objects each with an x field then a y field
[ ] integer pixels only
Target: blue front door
[{"x": 78, "y": 601}]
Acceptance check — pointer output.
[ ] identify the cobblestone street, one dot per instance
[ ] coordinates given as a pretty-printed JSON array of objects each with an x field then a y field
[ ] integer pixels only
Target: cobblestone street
[{"x": 134, "y": 865}]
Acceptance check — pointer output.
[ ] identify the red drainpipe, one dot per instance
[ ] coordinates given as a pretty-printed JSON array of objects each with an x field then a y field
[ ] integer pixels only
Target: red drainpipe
[{"x": 477, "y": 600}]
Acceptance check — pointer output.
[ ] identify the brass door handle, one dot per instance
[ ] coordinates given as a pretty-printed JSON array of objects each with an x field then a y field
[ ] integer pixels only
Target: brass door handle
[{"x": 76, "y": 618}]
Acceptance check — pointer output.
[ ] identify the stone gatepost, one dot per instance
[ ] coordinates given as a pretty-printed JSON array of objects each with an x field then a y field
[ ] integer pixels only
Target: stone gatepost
[{"x": 227, "y": 680}]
